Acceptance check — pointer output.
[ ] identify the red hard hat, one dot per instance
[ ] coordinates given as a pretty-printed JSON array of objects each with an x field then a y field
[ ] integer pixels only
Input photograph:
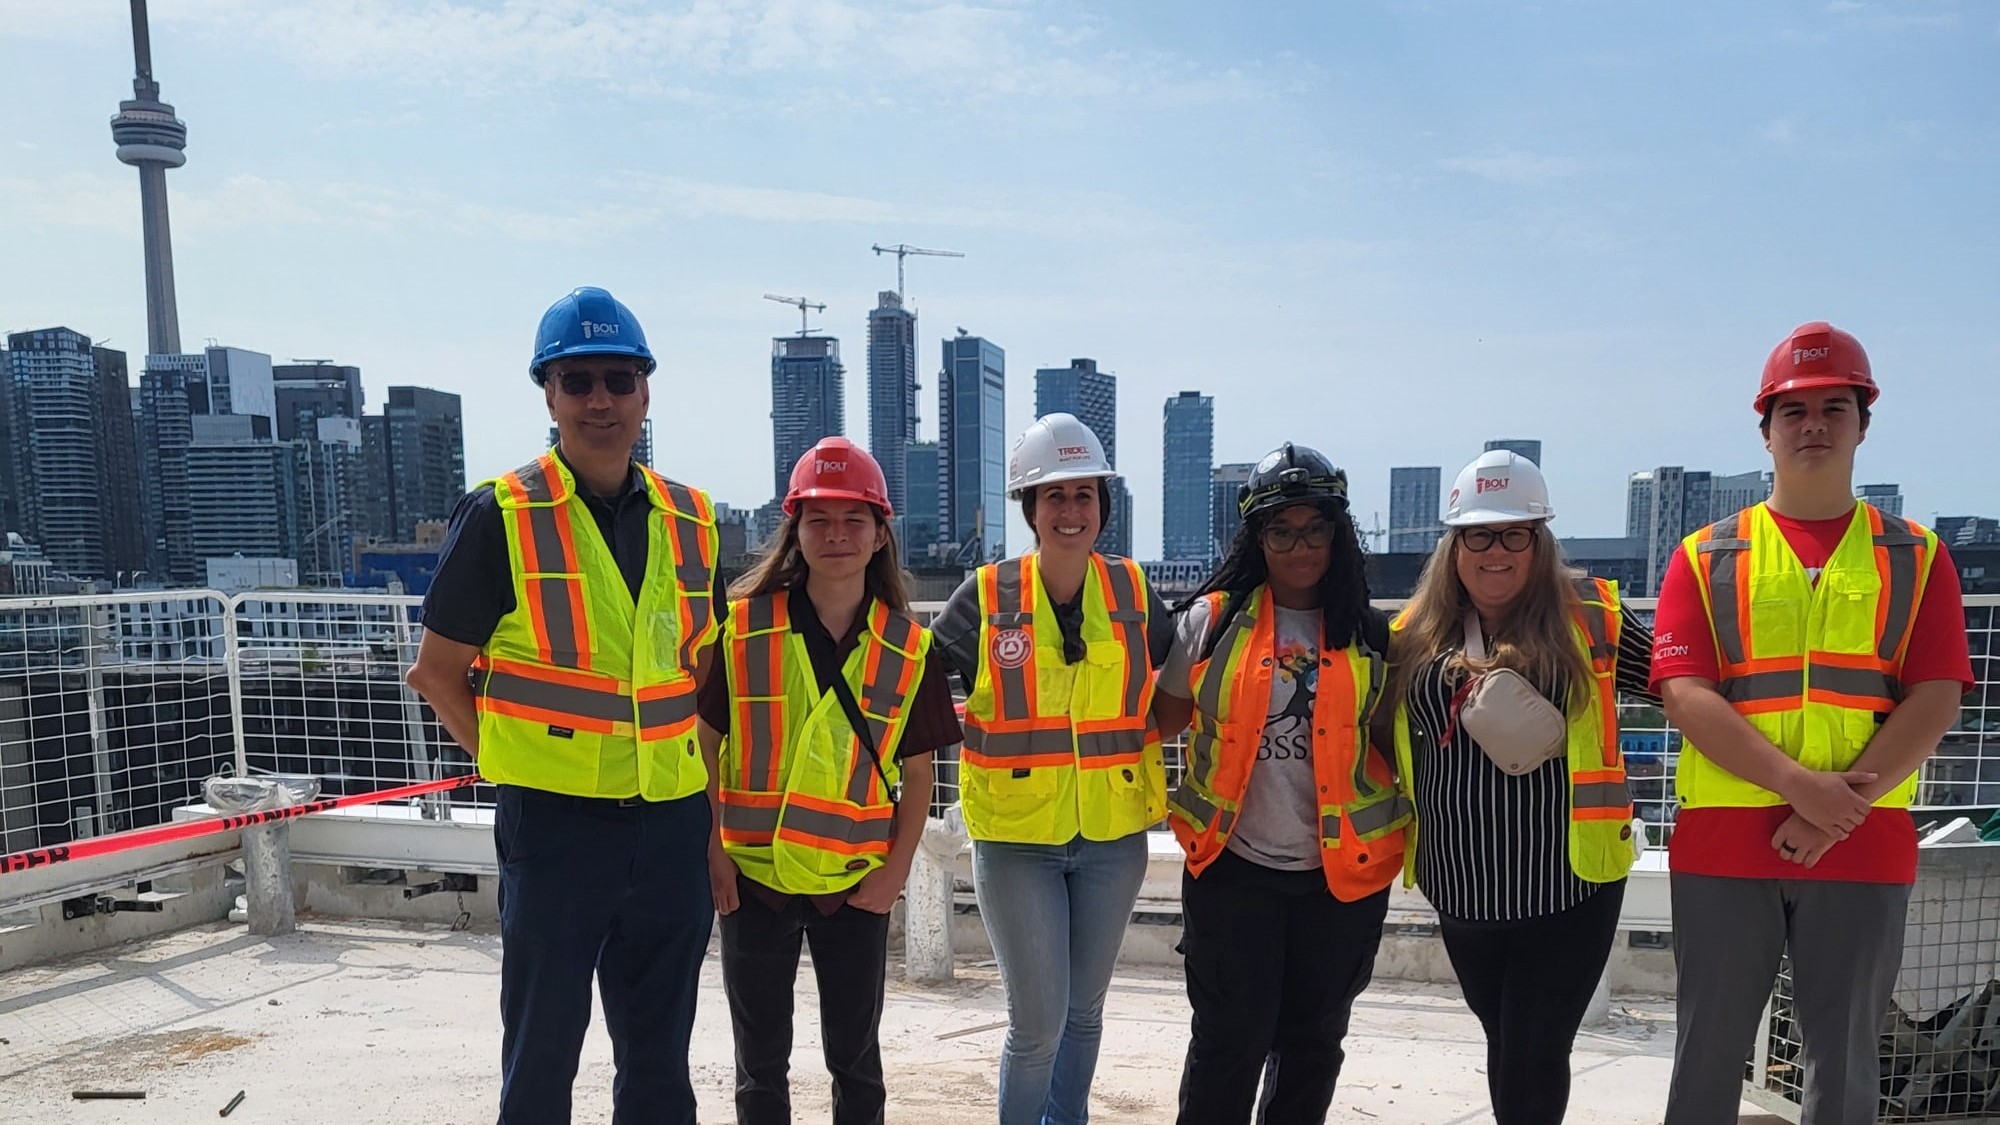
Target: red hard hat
[
  {"x": 838, "y": 469},
  {"x": 1817, "y": 355}
]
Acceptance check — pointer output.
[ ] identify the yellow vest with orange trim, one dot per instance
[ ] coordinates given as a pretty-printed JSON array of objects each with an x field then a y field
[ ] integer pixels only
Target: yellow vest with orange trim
[
  {"x": 1600, "y": 799},
  {"x": 579, "y": 690},
  {"x": 1362, "y": 813},
  {"x": 803, "y": 809},
  {"x": 1814, "y": 666},
  {"x": 1055, "y": 750}
]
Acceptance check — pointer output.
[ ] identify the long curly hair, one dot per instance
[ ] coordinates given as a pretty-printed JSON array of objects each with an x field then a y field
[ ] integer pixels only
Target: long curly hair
[{"x": 1343, "y": 589}]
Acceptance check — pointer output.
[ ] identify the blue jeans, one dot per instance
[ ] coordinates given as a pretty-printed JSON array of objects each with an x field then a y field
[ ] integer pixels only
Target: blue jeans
[
  {"x": 1056, "y": 914},
  {"x": 592, "y": 887}
]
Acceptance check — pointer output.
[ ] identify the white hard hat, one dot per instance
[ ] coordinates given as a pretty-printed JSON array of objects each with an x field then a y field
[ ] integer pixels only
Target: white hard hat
[
  {"x": 1501, "y": 487},
  {"x": 1054, "y": 448}
]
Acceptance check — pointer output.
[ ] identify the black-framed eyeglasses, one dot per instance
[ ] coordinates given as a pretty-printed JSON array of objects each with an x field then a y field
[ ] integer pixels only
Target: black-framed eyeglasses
[
  {"x": 1514, "y": 539},
  {"x": 580, "y": 383},
  {"x": 1282, "y": 537}
]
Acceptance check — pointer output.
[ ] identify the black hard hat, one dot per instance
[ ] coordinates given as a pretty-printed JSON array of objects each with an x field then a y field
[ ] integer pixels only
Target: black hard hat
[{"x": 1292, "y": 474}]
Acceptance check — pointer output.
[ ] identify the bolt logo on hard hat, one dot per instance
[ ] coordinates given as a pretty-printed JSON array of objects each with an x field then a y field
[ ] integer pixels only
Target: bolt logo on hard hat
[
  {"x": 1816, "y": 355},
  {"x": 838, "y": 469},
  {"x": 1501, "y": 487},
  {"x": 589, "y": 321}
]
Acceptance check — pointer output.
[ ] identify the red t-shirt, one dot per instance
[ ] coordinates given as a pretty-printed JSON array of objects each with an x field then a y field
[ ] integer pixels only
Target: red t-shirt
[{"x": 1737, "y": 842}]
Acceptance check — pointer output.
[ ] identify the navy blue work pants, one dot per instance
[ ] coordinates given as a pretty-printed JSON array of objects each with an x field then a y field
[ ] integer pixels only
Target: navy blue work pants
[{"x": 619, "y": 889}]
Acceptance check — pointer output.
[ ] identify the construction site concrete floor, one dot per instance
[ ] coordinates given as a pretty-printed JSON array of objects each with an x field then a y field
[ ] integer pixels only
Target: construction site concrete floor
[{"x": 391, "y": 1022}]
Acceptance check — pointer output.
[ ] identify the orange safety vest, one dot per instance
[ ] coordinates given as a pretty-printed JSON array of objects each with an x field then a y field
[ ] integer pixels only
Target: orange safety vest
[
  {"x": 803, "y": 808},
  {"x": 580, "y": 690},
  {"x": 1362, "y": 813},
  {"x": 1054, "y": 750}
]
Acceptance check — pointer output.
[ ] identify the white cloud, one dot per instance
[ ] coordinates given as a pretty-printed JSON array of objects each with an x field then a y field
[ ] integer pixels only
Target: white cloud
[
  {"x": 903, "y": 51},
  {"x": 619, "y": 204},
  {"x": 1514, "y": 167}
]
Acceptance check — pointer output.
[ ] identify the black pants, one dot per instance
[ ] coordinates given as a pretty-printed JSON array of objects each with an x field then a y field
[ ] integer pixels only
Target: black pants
[
  {"x": 760, "y": 962},
  {"x": 622, "y": 891},
  {"x": 1274, "y": 963},
  {"x": 1530, "y": 983}
]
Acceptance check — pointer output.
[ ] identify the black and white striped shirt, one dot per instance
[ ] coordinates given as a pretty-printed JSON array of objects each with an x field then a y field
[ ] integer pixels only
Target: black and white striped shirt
[{"x": 1490, "y": 847}]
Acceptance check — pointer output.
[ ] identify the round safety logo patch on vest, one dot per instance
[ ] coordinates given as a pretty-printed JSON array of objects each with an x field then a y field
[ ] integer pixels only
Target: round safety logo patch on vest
[{"x": 1010, "y": 648}]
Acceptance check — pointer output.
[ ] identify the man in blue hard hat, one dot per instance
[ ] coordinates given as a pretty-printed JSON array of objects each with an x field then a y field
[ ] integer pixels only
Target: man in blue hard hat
[{"x": 562, "y": 646}]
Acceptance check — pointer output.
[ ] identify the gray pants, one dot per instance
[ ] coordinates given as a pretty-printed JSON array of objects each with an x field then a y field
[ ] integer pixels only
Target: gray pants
[{"x": 1846, "y": 945}]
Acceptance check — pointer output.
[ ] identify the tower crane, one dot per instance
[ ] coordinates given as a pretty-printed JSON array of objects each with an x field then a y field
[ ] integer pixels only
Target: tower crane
[
  {"x": 902, "y": 251},
  {"x": 1376, "y": 535},
  {"x": 803, "y": 304}
]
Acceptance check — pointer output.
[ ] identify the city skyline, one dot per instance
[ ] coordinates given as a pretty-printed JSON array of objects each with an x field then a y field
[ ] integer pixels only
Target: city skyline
[{"x": 1433, "y": 249}]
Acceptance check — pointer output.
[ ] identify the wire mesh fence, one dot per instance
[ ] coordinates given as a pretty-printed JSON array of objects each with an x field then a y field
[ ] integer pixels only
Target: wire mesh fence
[
  {"x": 1940, "y": 1039},
  {"x": 320, "y": 692},
  {"x": 114, "y": 708}
]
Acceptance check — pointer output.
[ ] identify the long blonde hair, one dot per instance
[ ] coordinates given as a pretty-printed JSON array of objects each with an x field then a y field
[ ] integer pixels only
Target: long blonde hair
[{"x": 1534, "y": 639}]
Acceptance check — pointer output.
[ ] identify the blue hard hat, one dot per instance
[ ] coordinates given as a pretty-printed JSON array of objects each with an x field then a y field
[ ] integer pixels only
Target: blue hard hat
[{"x": 589, "y": 321}]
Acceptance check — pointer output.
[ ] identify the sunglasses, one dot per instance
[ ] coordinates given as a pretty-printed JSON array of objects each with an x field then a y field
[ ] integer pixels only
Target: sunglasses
[
  {"x": 580, "y": 383},
  {"x": 1283, "y": 537},
  {"x": 1514, "y": 539}
]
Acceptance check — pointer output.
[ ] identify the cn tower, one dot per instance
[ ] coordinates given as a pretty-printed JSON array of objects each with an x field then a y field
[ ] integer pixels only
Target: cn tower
[{"x": 151, "y": 139}]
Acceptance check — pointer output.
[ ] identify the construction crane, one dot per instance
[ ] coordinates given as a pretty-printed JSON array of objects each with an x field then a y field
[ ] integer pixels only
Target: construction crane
[
  {"x": 1377, "y": 536},
  {"x": 901, "y": 251},
  {"x": 803, "y": 303}
]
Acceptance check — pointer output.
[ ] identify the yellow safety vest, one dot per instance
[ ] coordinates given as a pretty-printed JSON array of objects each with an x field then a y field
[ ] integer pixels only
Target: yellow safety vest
[
  {"x": 1055, "y": 750},
  {"x": 1814, "y": 666},
  {"x": 803, "y": 809},
  {"x": 1361, "y": 811},
  {"x": 579, "y": 691},
  {"x": 1600, "y": 800}
]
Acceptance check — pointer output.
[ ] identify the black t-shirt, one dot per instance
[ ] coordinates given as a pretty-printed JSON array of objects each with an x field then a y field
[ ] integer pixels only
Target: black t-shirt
[
  {"x": 958, "y": 629},
  {"x": 474, "y": 585}
]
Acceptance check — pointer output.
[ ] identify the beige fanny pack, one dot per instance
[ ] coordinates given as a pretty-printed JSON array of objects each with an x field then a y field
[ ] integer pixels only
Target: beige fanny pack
[{"x": 1515, "y": 726}]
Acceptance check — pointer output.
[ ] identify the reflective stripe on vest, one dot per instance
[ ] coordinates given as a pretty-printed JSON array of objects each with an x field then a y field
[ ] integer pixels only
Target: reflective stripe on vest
[
  {"x": 543, "y": 681},
  {"x": 1361, "y": 810},
  {"x": 803, "y": 807},
  {"x": 1599, "y": 793},
  {"x": 1017, "y": 736},
  {"x": 1052, "y": 749},
  {"x": 1818, "y": 683}
]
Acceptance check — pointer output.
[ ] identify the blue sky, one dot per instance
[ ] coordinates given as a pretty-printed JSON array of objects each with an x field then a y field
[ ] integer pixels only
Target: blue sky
[{"x": 1388, "y": 230}]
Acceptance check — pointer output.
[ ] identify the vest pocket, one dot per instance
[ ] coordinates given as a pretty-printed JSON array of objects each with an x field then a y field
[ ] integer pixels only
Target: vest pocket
[
  {"x": 1117, "y": 801},
  {"x": 1017, "y": 805},
  {"x": 1600, "y": 852}
]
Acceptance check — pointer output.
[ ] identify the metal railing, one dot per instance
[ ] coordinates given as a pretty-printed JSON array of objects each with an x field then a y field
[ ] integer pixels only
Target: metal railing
[
  {"x": 114, "y": 709},
  {"x": 1964, "y": 775}
]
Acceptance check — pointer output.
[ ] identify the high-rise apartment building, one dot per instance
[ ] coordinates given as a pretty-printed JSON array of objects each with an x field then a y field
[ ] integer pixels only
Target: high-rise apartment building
[
  {"x": 1226, "y": 490},
  {"x": 892, "y": 387},
  {"x": 414, "y": 458},
  {"x": 808, "y": 400},
  {"x": 72, "y": 469},
  {"x": 972, "y": 448},
  {"x": 1092, "y": 397},
  {"x": 1187, "y": 530},
  {"x": 1414, "y": 526},
  {"x": 1531, "y": 448},
  {"x": 1887, "y": 497}
]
